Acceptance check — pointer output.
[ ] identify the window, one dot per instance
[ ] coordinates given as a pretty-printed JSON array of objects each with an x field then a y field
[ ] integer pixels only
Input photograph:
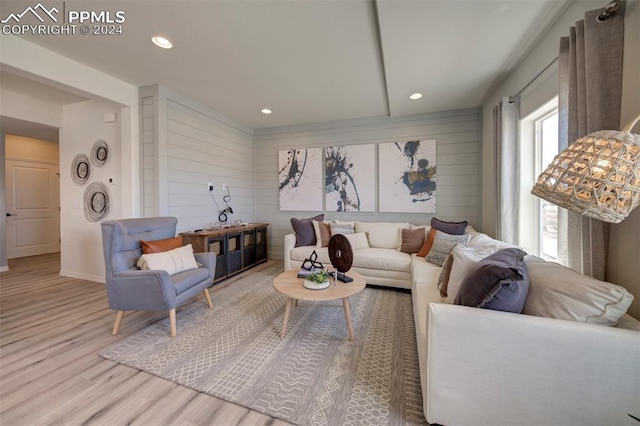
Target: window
[
  {"x": 546, "y": 147},
  {"x": 538, "y": 223}
]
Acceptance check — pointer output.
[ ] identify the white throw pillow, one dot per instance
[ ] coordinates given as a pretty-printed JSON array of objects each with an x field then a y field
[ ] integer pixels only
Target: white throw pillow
[
  {"x": 172, "y": 261},
  {"x": 358, "y": 240},
  {"x": 383, "y": 234},
  {"x": 556, "y": 291}
]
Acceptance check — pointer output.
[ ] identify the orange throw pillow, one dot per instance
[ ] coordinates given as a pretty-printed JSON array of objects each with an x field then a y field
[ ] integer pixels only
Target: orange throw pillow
[
  {"x": 428, "y": 243},
  {"x": 159, "y": 246}
]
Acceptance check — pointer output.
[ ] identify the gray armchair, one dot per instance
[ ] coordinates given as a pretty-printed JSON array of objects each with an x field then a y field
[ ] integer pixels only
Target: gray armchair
[{"x": 131, "y": 289}]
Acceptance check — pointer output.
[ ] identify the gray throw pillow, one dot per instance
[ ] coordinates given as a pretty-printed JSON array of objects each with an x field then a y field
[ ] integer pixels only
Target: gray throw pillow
[
  {"x": 341, "y": 228},
  {"x": 442, "y": 245},
  {"x": 305, "y": 234},
  {"x": 500, "y": 282},
  {"x": 454, "y": 228}
]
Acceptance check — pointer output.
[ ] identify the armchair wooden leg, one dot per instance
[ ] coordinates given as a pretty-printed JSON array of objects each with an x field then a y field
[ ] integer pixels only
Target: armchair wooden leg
[
  {"x": 116, "y": 326},
  {"x": 172, "y": 320},
  {"x": 208, "y": 297}
]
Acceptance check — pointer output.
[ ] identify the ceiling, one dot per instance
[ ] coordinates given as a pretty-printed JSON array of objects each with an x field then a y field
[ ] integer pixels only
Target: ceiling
[{"x": 309, "y": 61}]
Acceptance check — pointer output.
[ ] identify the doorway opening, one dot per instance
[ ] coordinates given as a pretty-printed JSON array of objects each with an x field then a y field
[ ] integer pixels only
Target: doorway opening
[{"x": 31, "y": 191}]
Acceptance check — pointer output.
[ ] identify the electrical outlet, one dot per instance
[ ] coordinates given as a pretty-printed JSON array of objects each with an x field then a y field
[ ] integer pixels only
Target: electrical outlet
[
  {"x": 210, "y": 186},
  {"x": 225, "y": 187}
]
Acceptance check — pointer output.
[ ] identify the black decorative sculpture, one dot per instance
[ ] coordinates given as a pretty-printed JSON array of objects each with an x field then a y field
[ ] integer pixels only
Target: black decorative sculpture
[
  {"x": 312, "y": 263},
  {"x": 341, "y": 256}
]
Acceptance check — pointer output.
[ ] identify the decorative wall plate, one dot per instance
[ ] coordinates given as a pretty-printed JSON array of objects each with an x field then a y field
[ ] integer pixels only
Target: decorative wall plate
[
  {"x": 80, "y": 169},
  {"x": 100, "y": 153},
  {"x": 96, "y": 202}
]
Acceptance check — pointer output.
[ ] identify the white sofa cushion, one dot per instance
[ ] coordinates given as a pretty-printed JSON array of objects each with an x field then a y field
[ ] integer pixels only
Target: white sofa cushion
[
  {"x": 425, "y": 274},
  {"x": 381, "y": 258},
  {"x": 556, "y": 291},
  {"x": 302, "y": 253},
  {"x": 479, "y": 240},
  {"x": 368, "y": 258},
  {"x": 382, "y": 234},
  {"x": 426, "y": 228}
]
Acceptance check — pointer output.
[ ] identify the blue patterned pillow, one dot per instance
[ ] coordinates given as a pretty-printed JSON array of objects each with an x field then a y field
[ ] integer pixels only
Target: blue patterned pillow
[{"x": 442, "y": 245}]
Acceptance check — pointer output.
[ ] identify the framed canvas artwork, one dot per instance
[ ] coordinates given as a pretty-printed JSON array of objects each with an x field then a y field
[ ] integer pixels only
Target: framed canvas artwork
[
  {"x": 407, "y": 176},
  {"x": 300, "y": 179},
  {"x": 349, "y": 178}
]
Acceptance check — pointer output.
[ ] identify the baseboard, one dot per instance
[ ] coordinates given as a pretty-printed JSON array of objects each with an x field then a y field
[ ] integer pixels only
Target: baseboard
[
  {"x": 81, "y": 276},
  {"x": 4, "y": 268}
]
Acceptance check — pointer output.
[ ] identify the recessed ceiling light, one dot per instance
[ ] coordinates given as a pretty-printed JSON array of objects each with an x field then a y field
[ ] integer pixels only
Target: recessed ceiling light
[
  {"x": 266, "y": 111},
  {"x": 161, "y": 42},
  {"x": 415, "y": 96}
]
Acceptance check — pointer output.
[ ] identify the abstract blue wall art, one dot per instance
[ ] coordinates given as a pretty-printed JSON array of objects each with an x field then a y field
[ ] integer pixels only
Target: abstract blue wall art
[
  {"x": 407, "y": 176},
  {"x": 300, "y": 179},
  {"x": 349, "y": 178}
]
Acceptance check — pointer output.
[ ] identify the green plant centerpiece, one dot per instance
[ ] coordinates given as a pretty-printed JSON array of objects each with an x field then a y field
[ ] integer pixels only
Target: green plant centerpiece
[{"x": 317, "y": 280}]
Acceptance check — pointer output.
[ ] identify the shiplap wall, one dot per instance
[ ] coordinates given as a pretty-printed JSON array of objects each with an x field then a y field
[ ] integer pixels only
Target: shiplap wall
[
  {"x": 195, "y": 146},
  {"x": 458, "y": 165},
  {"x": 148, "y": 112}
]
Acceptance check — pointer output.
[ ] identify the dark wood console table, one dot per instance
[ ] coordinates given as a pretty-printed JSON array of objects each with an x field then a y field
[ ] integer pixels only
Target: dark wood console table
[{"x": 238, "y": 247}]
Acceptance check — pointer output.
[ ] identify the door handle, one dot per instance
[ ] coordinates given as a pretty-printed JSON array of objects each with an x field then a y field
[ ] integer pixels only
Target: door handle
[{"x": 10, "y": 214}]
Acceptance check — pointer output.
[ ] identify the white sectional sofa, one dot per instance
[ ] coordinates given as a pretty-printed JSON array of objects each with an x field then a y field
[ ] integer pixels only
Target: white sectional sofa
[
  {"x": 485, "y": 367},
  {"x": 381, "y": 263}
]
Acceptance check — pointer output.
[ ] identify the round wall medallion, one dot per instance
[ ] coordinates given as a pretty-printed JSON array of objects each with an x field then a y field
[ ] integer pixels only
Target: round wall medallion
[
  {"x": 340, "y": 253},
  {"x": 80, "y": 169},
  {"x": 100, "y": 153},
  {"x": 96, "y": 202}
]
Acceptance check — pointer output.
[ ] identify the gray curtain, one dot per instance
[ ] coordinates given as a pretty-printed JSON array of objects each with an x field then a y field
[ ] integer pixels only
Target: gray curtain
[
  {"x": 506, "y": 122},
  {"x": 590, "y": 93}
]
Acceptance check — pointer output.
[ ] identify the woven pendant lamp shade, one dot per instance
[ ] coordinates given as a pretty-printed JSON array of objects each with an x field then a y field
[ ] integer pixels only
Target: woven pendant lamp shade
[{"x": 597, "y": 176}]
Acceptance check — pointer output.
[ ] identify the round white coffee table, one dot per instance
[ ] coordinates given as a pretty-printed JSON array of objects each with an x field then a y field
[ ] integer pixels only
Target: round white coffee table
[{"x": 291, "y": 286}]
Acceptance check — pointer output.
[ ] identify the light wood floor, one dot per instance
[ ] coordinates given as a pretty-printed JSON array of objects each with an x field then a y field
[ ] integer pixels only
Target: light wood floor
[{"x": 51, "y": 329}]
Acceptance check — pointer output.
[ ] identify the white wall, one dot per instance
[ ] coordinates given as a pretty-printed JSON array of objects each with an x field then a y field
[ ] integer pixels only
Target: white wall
[
  {"x": 24, "y": 148},
  {"x": 17, "y": 105},
  {"x": 185, "y": 146},
  {"x": 21, "y": 107},
  {"x": 458, "y": 165},
  {"x": 623, "y": 265},
  {"x": 81, "y": 246},
  {"x": 35, "y": 62},
  {"x": 32, "y": 61}
]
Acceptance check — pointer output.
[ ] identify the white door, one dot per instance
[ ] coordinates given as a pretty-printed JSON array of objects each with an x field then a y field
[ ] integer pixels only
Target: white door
[{"x": 33, "y": 208}]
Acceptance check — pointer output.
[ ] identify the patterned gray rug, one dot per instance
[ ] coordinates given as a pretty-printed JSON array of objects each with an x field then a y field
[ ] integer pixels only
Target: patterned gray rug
[{"x": 314, "y": 376}]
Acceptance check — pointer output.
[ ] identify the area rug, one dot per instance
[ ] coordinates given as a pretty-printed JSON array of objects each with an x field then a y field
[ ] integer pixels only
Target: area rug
[{"x": 313, "y": 376}]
